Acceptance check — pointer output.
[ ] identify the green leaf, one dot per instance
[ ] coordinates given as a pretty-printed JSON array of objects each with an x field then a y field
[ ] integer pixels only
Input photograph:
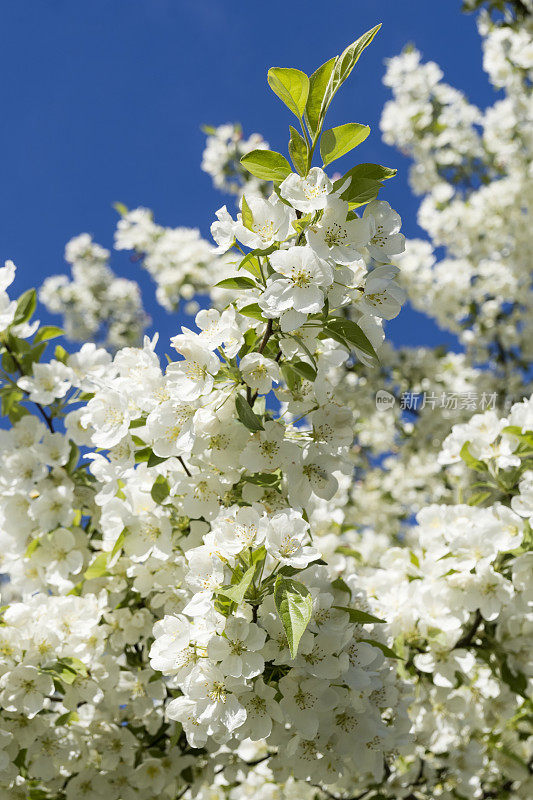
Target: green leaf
[
  {"x": 294, "y": 605},
  {"x": 236, "y": 592},
  {"x": 340, "y": 584},
  {"x": 352, "y": 333},
  {"x": 154, "y": 460},
  {"x": 239, "y": 282},
  {"x": 360, "y": 617},
  {"x": 60, "y": 354},
  {"x": 470, "y": 461},
  {"x": 478, "y": 497},
  {"x": 247, "y": 216},
  {"x": 374, "y": 172},
  {"x": 118, "y": 544},
  {"x": 32, "y": 547},
  {"x": 246, "y": 415},
  {"x": 366, "y": 181},
  {"x": 160, "y": 490},
  {"x": 263, "y": 478},
  {"x": 47, "y": 332},
  {"x": 121, "y": 208},
  {"x": 298, "y": 151},
  {"x": 318, "y": 83},
  {"x": 251, "y": 264},
  {"x": 291, "y": 86},
  {"x": 267, "y": 165},
  {"x": 26, "y": 305},
  {"x": 143, "y": 454},
  {"x": 349, "y": 551},
  {"x": 383, "y": 647},
  {"x": 304, "y": 369},
  {"x": 8, "y": 363},
  {"x": 289, "y": 571},
  {"x": 338, "y": 141},
  {"x": 66, "y": 719},
  {"x": 345, "y": 63},
  {"x": 67, "y": 669},
  {"x": 253, "y": 310},
  {"x": 517, "y": 682},
  {"x": 98, "y": 568},
  {"x": 516, "y": 430}
]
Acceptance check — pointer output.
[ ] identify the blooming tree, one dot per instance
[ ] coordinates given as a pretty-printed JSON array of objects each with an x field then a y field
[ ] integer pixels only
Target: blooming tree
[{"x": 216, "y": 586}]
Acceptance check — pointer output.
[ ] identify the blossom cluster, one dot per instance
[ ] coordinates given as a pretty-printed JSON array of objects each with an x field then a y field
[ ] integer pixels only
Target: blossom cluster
[
  {"x": 96, "y": 304},
  {"x": 457, "y": 598},
  {"x": 221, "y": 159},
  {"x": 474, "y": 168}
]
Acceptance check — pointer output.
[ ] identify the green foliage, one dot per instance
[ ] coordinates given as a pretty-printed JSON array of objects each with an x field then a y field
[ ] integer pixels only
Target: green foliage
[
  {"x": 291, "y": 86},
  {"x": 98, "y": 568},
  {"x": 470, "y": 461},
  {"x": 47, "y": 332},
  {"x": 238, "y": 282},
  {"x": 294, "y": 605},
  {"x": 347, "y": 61},
  {"x": 298, "y": 151},
  {"x": 246, "y": 415},
  {"x": 359, "y": 617},
  {"x": 366, "y": 181},
  {"x": 387, "y": 651},
  {"x": 336, "y": 142},
  {"x": 236, "y": 591},
  {"x": 247, "y": 216},
  {"x": 349, "y": 333},
  {"x": 318, "y": 83},
  {"x": 267, "y": 165},
  {"x": 253, "y": 310},
  {"x": 160, "y": 490},
  {"x": 26, "y": 305}
]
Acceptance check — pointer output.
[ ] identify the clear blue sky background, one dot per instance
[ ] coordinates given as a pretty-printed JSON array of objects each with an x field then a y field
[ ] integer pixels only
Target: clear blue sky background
[{"x": 103, "y": 101}]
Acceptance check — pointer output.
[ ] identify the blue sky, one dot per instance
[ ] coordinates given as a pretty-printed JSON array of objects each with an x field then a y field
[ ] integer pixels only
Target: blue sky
[{"x": 103, "y": 101}]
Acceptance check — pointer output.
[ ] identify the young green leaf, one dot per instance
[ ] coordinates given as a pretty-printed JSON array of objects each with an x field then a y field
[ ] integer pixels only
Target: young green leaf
[
  {"x": 253, "y": 310},
  {"x": 246, "y": 415},
  {"x": 318, "y": 83},
  {"x": 121, "y": 208},
  {"x": 383, "y": 647},
  {"x": 295, "y": 606},
  {"x": 98, "y": 568},
  {"x": 352, "y": 333},
  {"x": 247, "y": 216},
  {"x": 263, "y": 478},
  {"x": 237, "y": 591},
  {"x": 358, "y": 616},
  {"x": 470, "y": 461},
  {"x": 154, "y": 460},
  {"x": 47, "y": 332},
  {"x": 336, "y": 142},
  {"x": 366, "y": 181},
  {"x": 291, "y": 86},
  {"x": 373, "y": 171},
  {"x": 267, "y": 165},
  {"x": 239, "y": 282},
  {"x": 298, "y": 151},
  {"x": 251, "y": 264},
  {"x": 304, "y": 369},
  {"x": 118, "y": 544},
  {"x": 160, "y": 490},
  {"x": 346, "y": 62},
  {"x": 25, "y": 306}
]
